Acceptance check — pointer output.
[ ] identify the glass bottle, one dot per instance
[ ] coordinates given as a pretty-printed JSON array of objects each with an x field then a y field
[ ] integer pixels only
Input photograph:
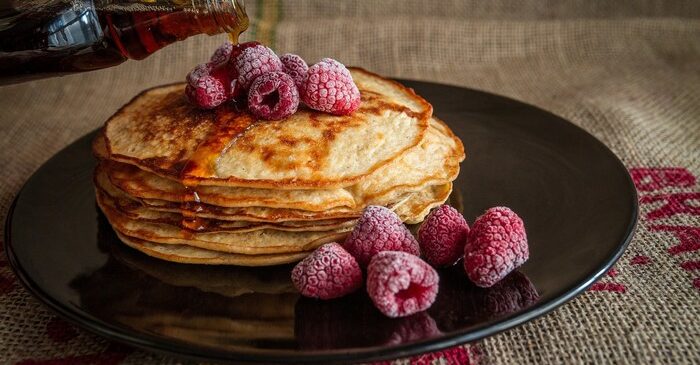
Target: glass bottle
[{"x": 43, "y": 38}]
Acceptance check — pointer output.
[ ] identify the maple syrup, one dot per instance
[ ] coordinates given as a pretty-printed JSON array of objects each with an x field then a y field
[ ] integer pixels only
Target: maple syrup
[
  {"x": 229, "y": 126},
  {"x": 43, "y": 38},
  {"x": 191, "y": 205}
]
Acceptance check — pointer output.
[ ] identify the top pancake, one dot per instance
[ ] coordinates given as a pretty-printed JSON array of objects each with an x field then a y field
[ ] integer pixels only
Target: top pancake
[
  {"x": 160, "y": 131},
  {"x": 433, "y": 161}
]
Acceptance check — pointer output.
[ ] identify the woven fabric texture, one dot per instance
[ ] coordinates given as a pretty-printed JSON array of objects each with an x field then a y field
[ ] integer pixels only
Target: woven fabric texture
[{"x": 626, "y": 71}]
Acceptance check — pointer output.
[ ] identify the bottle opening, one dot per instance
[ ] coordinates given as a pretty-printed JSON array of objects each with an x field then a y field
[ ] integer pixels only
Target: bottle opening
[{"x": 230, "y": 15}]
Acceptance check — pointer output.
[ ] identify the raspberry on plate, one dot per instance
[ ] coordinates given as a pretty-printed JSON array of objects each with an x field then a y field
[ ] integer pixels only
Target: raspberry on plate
[
  {"x": 496, "y": 245},
  {"x": 207, "y": 92},
  {"x": 255, "y": 61},
  {"x": 330, "y": 88},
  {"x": 442, "y": 236},
  {"x": 296, "y": 67},
  {"x": 379, "y": 229},
  {"x": 401, "y": 284},
  {"x": 273, "y": 96},
  {"x": 329, "y": 272}
]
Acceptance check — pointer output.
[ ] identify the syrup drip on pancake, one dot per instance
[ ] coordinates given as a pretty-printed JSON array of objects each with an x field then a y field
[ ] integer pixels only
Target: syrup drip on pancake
[{"x": 230, "y": 124}]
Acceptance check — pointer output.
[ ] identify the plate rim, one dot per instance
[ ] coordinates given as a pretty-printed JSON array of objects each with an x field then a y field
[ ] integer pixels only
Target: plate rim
[{"x": 180, "y": 348}]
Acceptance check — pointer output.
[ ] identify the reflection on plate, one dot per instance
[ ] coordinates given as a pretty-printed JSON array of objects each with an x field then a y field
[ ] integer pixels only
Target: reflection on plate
[{"x": 234, "y": 307}]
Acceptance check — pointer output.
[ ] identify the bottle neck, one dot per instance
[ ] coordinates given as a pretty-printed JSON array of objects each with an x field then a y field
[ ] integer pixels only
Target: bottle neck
[
  {"x": 221, "y": 16},
  {"x": 140, "y": 33}
]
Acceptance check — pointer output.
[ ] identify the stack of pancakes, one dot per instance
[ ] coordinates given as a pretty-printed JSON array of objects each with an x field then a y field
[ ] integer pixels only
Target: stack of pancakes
[{"x": 221, "y": 187}]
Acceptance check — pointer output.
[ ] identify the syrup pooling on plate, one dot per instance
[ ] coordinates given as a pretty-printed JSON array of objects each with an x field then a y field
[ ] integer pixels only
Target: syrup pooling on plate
[{"x": 229, "y": 125}]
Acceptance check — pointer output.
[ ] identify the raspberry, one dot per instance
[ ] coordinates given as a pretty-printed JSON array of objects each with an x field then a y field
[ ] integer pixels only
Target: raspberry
[
  {"x": 295, "y": 67},
  {"x": 379, "y": 229},
  {"x": 237, "y": 49},
  {"x": 221, "y": 73},
  {"x": 208, "y": 92},
  {"x": 329, "y": 272},
  {"x": 199, "y": 71},
  {"x": 273, "y": 96},
  {"x": 329, "y": 88},
  {"x": 442, "y": 236},
  {"x": 207, "y": 70},
  {"x": 496, "y": 245},
  {"x": 222, "y": 54},
  {"x": 236, "y": 90},
  {"x": 255, "y": 61},
  {"x": 401, "y": 284}
]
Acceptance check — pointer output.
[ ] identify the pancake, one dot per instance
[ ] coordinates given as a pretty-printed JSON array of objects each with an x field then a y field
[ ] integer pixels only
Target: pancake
[
  {"x": 252, "y": 214},
  {"x": 266, "y": 241},
  {"x": 141, "y": 213},
  {"x": 147, "y": 185},
  {"x": 159, "y": 131},
  {"x": 419, "y": 205},
  {"x": 434, "y": 161},
  {"x": 410, "y": 208},
  {"x": 248, "y": 214},
  {"x": 192, "y": 255}
]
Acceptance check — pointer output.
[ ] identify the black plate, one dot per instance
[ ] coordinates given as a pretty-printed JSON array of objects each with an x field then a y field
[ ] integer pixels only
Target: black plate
[{"x": 576, "y": 198}]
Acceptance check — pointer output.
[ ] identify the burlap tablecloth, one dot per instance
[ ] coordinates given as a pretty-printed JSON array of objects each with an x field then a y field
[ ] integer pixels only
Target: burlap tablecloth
[{"x": 626, "y": 71}]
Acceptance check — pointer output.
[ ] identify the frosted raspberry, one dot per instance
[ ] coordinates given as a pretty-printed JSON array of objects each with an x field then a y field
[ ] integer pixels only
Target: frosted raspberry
[
  {"x": 237, "y": 90},
  {"x": 255, "y": 61},
  {"x": 496, "y": 245},
  {"x": 238, "y": 49},
  {"x": 401, "y": 284},
  {"x": 222, "y": 54},
  {"x": 199, "y": 71},
  {"x": 379, "y": 229},
  {"x": 442, "y": 236},
  {"x": 273, "y": 96},
  {"x": 207, "y": 93},
  {"x": 208, "y": 70},
  {"x": 221, "y": 73},
  {"x": 295, "y": 67},
  {"x": 329, "y": 272},
  {"x": 329, "y": 88}
]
